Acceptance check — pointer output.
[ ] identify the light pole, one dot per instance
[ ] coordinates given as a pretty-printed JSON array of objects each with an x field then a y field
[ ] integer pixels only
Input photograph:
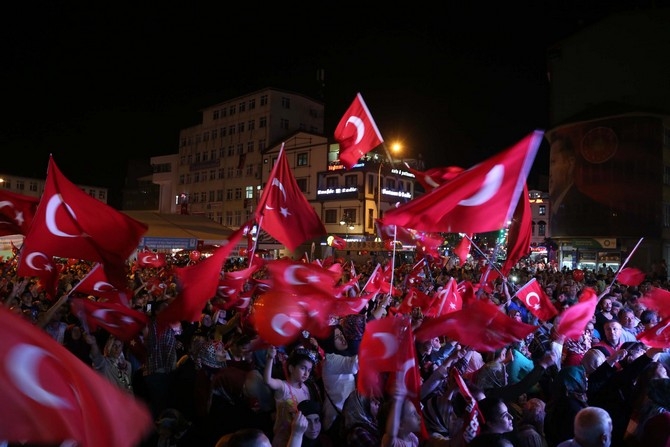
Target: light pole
[{"x": 395, "y": 148}]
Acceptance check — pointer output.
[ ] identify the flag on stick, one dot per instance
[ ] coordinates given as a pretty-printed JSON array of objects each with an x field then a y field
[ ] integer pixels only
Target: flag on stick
[{"x": 357, "y": 133}]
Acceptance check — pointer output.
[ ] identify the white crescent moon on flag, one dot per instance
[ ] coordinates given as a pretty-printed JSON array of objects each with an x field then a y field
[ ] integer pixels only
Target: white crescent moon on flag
[
  {"x": 537, "y": 302},
  {"x": 389, "y": 341},
  {"x": 148, "y": 259},
  {"x": 101, "y": 315},
  {"x": 31, "y": 257},
  {"x": 491, "y": 185},
  {"x": 360, "y": 127},
  {"x": 5, "y": 203},
  {"x": 102, "y": 286},
  {"x": 660, "y": 330},
  {"x": 23, "y": 367},
  {"x": 289, "y": 275},
  {"x": 280, "y": 321},
  {"x": 52, "y": 206}
]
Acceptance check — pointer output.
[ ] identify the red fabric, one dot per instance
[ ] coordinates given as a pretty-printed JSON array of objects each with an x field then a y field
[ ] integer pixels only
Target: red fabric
[
  {"x": 415, "y": 298},
  {"x": 296, "y": 277},
  {"x": 232, "y": 283},
  {"x": 41, "y": 265},
  {"x": 427, "y": 244},
  {"x": 338, "y": 243},
  {"x": 481, "y": 326},
  {"x": 467, "y": 292},
  {"x": 536, "y": 301},
  {"x": 446, "y": 300},
  {"x": 630, "y": 276},
  {"x": 473, "y": 419},
  {"x": 71, "y": 224},
  {"x": 198, "y": 284},
  {"x": 96, "y": 283},
  {"x": 48, "y": 395},
  {"x": 434, "y": 177},
  {"x": 356, "y": 132},
  {"x": 657, "y": 336},
  {"x": 478, "y": 200},
  {"x": 391, "y": 233},
  {"x": 117, "y": 319},
  {"x": 462, "y": 250},
  {"x": 283, "y": 211},
  {"x": 16, "y": 212},
  {"x": 520, "y": 232},
  {"x": 377, "y": 283},
  {"x": 574, "y": 319},
  {"x": 148, "y": 258},
  {"x": 657, "y": 299}
]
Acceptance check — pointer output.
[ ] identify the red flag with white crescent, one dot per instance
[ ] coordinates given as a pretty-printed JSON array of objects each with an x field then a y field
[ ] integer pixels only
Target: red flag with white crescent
[
  {"x": 573, "y": 320},
  {"x": 16, "y": 212},
  {"x": 536, "y": 301},
  {"x": 657, "y": 336},
  {"x": 117, "y": 319},
  {"x": 356, "y": 133}
]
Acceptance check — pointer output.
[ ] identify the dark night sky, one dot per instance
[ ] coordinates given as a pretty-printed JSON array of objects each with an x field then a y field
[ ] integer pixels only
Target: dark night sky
[{"x": 98, "y": 84}]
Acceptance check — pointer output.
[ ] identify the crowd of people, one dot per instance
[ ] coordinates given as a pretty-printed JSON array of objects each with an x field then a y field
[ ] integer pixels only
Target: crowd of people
[{"x": 215, "y": 382}]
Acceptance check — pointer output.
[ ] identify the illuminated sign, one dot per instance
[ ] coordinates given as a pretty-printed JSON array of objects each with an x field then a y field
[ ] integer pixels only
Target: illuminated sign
[
  {"x": 401, "y": 194},
  {"x": 331, "y": 191},
  {"x": 402, "y": 173}
]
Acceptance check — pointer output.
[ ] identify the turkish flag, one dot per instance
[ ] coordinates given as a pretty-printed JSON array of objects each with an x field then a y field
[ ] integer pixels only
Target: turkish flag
[
  {"x": 377, "y": 282},
  {"x": 481, "y": 326},
  {"x": 630, "y": 276},
  {"x": 473, "y": 418},
  {"x": 297, "y": 277},
  {"x": 148, "y": 258},
  {"x": 657, "y": 336},
  {"x": 415, "y": 298},
  {"x": 657, "y": 299},
  {"x": 573, "y": 320},
  {"x": 117, "y": 319},
  {"x": 338, "y": 243},
  {"x": 393, "y": 233},
  {"x": 378, "y": 353},
  {"x": 49, "y": 396},
  {"x": 427, "y": 244},
  {"x": 479, "y": 200},
  {"x": 96, "y": 283},
  {"x": 71, "y": 224},
  {"x": 198, "y": 284},
  {"x": 357, "y": 133},
  {"x": 446, "y": 300},
  {"x": 283, "y": 210},
  {"x": 467, "y": 291},
  {"x": 41, "y": 265},
  {"x": 434, "y": 177},
  {"x": 520, "y": 232},
  {"x": 232, "y": 283},
  {"x": 462, "y": 250},
  {"x": 16, "y": 212},
  {"x": 536, "y": 301}
]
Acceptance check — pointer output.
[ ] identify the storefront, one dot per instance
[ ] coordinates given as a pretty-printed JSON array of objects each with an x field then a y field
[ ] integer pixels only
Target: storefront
[{"x": 589, "y": 254}]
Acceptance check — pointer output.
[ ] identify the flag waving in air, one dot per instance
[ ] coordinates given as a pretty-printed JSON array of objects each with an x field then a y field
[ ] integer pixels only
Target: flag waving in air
[
  {"x": 536, "y": 301},
  {"x": 478, "y": 200},
  {"x": 357, "y": 133},
  {"x": 283, "y": 211}
]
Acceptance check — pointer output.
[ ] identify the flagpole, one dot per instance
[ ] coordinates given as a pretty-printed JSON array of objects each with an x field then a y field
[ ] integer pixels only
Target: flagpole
[
  {"x": 616, "y": 275},
  {"x": 492, "y": 264},
  {"x": 395, "y": 234}
]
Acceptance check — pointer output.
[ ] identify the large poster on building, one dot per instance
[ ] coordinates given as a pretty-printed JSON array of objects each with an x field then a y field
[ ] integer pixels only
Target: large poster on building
[{"x": 606, "y": 177}]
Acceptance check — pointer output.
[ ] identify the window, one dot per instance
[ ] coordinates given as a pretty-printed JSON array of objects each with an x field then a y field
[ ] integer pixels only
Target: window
[
  {"x": 224, "y": 112},
  {"x": 331, "y": 182},
  {"x": 251, "y": 125},
  {"x": 222, "y": 131},
  {"x": 203, "y": 197},
  {"x": 250, "y": 146},
  {"x": 302, "y": 184},
  {"x": 249, "y": 170},
  {"x": 371, "y": 217},
  {"x": 219, "y": 195},
  {"x": 242, "y": 106},
  {"x": 262, "y": 122},
  {"x": 231, "y": 110},
  {"x": 240, "y": 127},
  {"x": 196, "y": 177},
  {"x": 231, "y": 150},
  {"x": 542, "y": 210},
  {"x": 212, "y": 174},
  {"x": 264, "y": 100},
  {"x": 222, "y": 152},
  {"x": 285, "y": 102},
  {"x": 205, "y": 136},
  {"x": 261, "y": 144},
  {"x": 238, "y": 218},
  {"x": 32, "y": 186},
  {"x": 197, "y": 157},
  {"x": 20, "y": 185},
  {"x": 252, "y": 104},
  {"x": 91, "y": 192},
  {"x": 205, "y": 156},
  {"x": 349, "y": 215},
  {"x": 331, "y": 217},
  {"x": 303, "y": 159},
  {"x": 542, "y": 228},
  {"x": 313, "y": 113},
  {"x": 231, "y": 130},
  {"x": 230, "y": 172},
  {"x": 229, "y": 218},
  {"x": 238, "y": 193},
  {"x": 283, "y": 124},
  {"x": 350, "y": 181},
  {"x": 229, "y": 194},
  {"x": 220, "y": 174},
  {"x": 101, "y": 195},
  {"x": 249, "y": 192},
  {"x": 215, "y": 115},
  {"x": 212, "y": 195},
  {"x": 215, "y": 132}
]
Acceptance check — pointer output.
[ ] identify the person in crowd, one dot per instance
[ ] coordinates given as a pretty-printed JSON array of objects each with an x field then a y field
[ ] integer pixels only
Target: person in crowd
[
  {"x": 530, "y": 429},
  {"x": 340, "y": 367},
  {"x": 290, "y": 392},
  {"x": 75, "y": 343},
  {"x": 245, "y": 437},
  {"x": 652, "y": 429},
  {"x": 111, "y": 363},
  {"x": 613, "y": 340},
  {"x": 629, "y": 323},
  {"x": 603, "y": 314},
  {"x": 402, "y": 421},
  {"x": 498, "y": 423},
  {"x": 592, "y": 427},
  {"x": 639, "y": 400},
  {"x": 306, "y": 427},
  {"x": 361, "y": 426},
  {"x": 568, "y": 396},
  {"x": 161, "y": 346},
  {"x": 648, "y": 319}
]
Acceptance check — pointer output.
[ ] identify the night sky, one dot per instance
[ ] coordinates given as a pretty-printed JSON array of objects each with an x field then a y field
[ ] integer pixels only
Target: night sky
[{"x": 96, "y": 85}]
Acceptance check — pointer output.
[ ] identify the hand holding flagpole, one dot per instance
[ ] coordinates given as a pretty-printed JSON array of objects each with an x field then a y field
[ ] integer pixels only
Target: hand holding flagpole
[{"x": 616, "y": 275}]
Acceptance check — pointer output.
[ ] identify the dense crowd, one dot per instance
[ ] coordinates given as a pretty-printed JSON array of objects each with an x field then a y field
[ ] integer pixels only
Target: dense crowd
[{"x": 214, "y": 382}]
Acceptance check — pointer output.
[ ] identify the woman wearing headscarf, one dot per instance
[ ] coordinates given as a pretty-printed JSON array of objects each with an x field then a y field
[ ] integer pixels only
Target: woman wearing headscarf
[
  {"x": 111, "y": 363},
  {"x": 360, "y": 420},
  {"x": 568, "y": 396},
  {"x": 340, "y": 365}
]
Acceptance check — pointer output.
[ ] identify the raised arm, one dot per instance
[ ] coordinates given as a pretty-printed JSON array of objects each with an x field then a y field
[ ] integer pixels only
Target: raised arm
[{"x": 273, "y": 383}]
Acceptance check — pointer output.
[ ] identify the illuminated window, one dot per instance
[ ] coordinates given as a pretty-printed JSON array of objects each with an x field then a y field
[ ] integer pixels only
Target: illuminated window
[{"x": 303, "y": 159}]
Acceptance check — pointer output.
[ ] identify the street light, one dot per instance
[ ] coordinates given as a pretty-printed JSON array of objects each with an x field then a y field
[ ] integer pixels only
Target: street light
[{"x": 396, "y": 147}]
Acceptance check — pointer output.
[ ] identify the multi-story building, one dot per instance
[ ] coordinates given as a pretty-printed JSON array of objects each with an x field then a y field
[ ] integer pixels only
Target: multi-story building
[
  {"x": 34, "y": 187},
  {"x": 610, "y": 142}
]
